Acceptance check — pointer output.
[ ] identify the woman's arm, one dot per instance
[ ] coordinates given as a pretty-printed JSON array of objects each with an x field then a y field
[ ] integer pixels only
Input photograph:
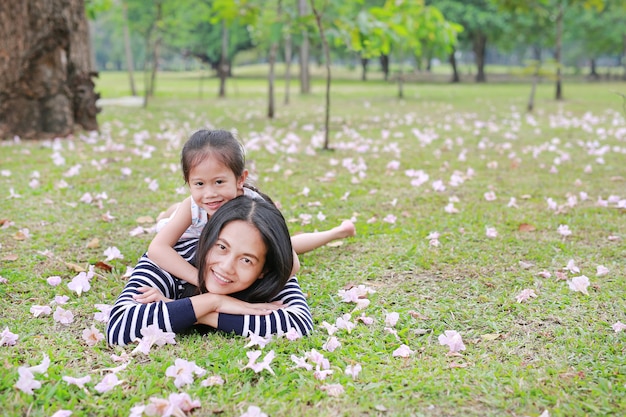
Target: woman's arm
[
  {"x": 294, "y": 312},
  {"x": 161, "y": 249}
]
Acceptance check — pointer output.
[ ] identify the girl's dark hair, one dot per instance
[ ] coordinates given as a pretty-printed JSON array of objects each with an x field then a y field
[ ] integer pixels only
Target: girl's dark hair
[
  {"x": 270, "y": 223},
  {"x": 221, "y": 144}
]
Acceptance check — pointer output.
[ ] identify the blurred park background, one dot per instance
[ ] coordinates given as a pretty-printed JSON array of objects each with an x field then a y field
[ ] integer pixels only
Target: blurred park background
[{"x": 53, "y": 49}]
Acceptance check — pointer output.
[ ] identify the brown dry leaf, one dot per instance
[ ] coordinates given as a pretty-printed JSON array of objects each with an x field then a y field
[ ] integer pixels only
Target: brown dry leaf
[
  {"x": 104, "y": 266},
  {"x": 617, "y": 178},
  {"x": 94, "y": 243},
  {"x": 74, "y": 267},
  {"x": 458, "y": 365},
  {"x": 10, "y": 257},
  {"x": 145, "y": 219},
  {"x": 525, "y": 227},
  {"x": 3, "y": 221},
  {"x": 19, "y": 236},
  {"x": 335, "y": 243},
  {"x": 490, "y": 336},
  {"x": 417, "y": 315},
  {"x": 526, "y": 197}
]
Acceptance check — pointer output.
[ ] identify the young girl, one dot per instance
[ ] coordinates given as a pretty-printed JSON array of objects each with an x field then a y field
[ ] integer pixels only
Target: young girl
[
  {"x": 245, "y": 258},
  {"x": 213, "y": 164}
]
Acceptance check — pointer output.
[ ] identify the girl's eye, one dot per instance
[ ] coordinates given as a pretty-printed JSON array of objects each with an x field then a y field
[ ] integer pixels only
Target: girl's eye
[
  {"x": 199, "y": 184},
  {"x": 219, "y": 182},
  {"x": 220, "y": 246},
  {"x": 247, "y": 261}
]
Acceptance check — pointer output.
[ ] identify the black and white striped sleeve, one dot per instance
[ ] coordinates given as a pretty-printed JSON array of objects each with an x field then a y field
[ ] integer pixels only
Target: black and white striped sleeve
[{"x": 294, "y": 313}]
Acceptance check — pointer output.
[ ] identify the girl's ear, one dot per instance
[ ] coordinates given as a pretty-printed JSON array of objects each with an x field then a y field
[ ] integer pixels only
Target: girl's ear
[{"x": 242, "y": 179}]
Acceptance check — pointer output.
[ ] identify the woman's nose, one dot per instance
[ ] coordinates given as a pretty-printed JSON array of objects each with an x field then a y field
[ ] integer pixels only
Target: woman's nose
[{"x": 228, "y": 264}]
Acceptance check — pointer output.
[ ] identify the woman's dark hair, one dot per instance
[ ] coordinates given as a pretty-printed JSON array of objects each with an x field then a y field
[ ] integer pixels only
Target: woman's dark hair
[{"x": 270, "y": 223}]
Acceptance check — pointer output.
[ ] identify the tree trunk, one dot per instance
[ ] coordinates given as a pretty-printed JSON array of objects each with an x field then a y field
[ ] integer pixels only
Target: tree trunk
[
  {"x": 557, "y": 52},
  {"x": 46, "y": 87},
  {"x": 624, "y": 56},
  {"x": 364, "y": 62},
  {"x": 320, "y": 26},
  {"x": 531, "y": 99},
  {"x": 384, "y": 65},
  {"x": 455, "y": 70},
  {"x": 305, "y": 77},
  {"x": 480, "y": 48},
  {"x": 593, "y": 72},
  {"x": 270, "y": 77},
  {"x": 287, "y": 66},
  {"x": 130, "y": 64},
  {"x": 400, "y": 83},
  {"x": 222, "y": 69}
]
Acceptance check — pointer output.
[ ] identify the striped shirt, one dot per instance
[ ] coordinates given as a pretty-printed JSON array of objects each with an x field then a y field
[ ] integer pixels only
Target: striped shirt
[{"x": 128, "y": 317}]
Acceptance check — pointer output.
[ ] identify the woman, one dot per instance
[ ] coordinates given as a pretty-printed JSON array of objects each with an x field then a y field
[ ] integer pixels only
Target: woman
[{"x": 244, "y": 258}]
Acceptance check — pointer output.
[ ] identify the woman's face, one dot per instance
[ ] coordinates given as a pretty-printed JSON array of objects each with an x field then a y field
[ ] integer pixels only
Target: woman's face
[{"x": 236, "y": 259}]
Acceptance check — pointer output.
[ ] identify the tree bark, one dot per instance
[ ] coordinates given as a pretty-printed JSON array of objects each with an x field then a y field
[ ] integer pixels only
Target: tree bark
[
  {"x": 287, "y": 66},
  {"x": 624, "y": 57},
  {"x": 46, "y": 87},
  {"x": 480, "y": 48},
  {"x": 130, "y": 64},
  {"x": 305, "y": 77},
  {"x": 557, "y": 52},
  {"x": 455, "y": 70},
  {"x": 364, "y": 62},
  {"x": 270, "y": 77},
  {"x": 320, "y": 26},
  {"x": 222, "y": 69},
  {"x": 384, "y": 65}
]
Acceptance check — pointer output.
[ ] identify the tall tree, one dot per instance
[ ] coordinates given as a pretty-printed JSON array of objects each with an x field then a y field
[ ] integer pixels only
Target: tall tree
[
  {"x": 46, "y": 87},
  {"x": 320, "y": 26},
  {"x": 230, "y": 13},
  {"x": 482, "y": 23},
  {"x": 305, "y": 75},
  {"x": 555, "y": 11}
]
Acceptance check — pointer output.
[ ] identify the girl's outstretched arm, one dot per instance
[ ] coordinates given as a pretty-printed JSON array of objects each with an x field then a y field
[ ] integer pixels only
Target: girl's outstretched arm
[{"x": 161, "y": 249}]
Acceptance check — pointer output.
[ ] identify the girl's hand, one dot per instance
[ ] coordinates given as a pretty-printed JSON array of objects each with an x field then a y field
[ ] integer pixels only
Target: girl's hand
[{"x": 149, "y": 295}]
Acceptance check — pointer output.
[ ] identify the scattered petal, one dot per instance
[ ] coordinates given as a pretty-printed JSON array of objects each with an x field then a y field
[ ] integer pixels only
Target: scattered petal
[
  {"x": 254, "y": 411},
  {"x": 453, "y": 340},
  {"x": 403, "y": 352},
  {"x": 618, "y": 327},
  {"x": 109, "y": 382},
  {"x": 92, "y": 336},
  {"x": 526, "y": 294},
  {"x": 579, "y": 284},
  {"x": 8, "y": 338}
]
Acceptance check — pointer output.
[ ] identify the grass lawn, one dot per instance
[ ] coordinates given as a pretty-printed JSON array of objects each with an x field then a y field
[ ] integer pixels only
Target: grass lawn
[{"x": 463, "y": 203}]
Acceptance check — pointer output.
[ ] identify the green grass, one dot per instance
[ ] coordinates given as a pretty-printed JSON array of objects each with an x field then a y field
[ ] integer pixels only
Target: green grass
[{"x": 556, "y": 352}]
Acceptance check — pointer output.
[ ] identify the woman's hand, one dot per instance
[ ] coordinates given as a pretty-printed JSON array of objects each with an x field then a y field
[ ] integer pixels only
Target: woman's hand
[
  {"x": 149, "y": 295},
  {"x": 230, "y": 305},
  {"x": 208, "y": 306}
]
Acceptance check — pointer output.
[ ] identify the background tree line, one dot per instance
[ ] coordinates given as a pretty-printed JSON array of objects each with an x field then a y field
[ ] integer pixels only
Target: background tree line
[{"x": 192, "y": 34}]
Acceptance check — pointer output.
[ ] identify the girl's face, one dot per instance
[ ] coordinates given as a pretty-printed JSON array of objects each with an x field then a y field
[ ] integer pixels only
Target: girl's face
[
  {"x": 236, "y": 259},
  {"x": 212, "y": 184}
]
